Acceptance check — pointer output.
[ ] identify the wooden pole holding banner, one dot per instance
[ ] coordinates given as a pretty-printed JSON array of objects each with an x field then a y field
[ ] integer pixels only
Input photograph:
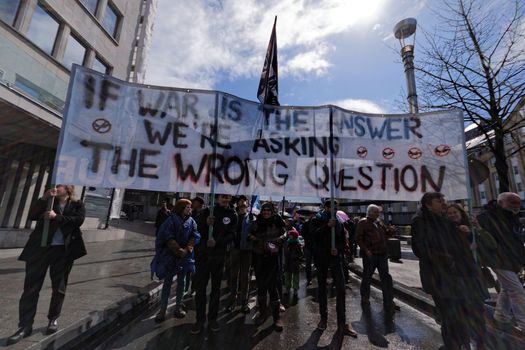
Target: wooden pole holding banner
[
  {"x": 332, "y": 202},
  {"x": 214, "y": 158}
]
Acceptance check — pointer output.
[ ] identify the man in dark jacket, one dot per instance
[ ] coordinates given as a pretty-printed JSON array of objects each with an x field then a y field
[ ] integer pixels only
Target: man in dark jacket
[
  {"x": 502, "y": 222},
  {"x": 327, "y": 257},
  {"x": 448, "y": 272},
  {"x": 209, "y": 259},
  {"x": 372, "y": 235},
  {"x": 64, "y": 244}
]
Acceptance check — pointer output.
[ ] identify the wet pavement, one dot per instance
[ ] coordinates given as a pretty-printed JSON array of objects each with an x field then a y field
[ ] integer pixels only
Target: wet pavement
[
  {"x": 411, "y": 329},
  {"x": 111, "y": 272}
]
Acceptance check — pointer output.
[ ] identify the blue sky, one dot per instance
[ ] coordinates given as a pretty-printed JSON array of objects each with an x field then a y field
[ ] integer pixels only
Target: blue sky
[{"x": 330, "y": 51}]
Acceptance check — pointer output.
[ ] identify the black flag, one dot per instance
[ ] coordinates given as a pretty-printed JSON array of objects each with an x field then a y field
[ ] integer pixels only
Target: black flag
[{"x": 268, "y": 91}]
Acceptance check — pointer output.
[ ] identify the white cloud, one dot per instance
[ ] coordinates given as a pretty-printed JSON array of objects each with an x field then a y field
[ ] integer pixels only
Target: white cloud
[
  {"x": 359, "y": 105},
  {"x": 196, "y": 43}
]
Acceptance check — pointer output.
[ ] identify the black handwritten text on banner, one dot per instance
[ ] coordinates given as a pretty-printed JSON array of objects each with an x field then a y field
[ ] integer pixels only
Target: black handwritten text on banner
[{"x": 118, "y": 134}]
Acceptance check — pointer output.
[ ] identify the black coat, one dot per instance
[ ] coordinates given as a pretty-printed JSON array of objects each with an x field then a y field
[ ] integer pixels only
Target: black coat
[
  {"x": 446, "y": 264},
  {"x": 505, "y": 227},
  {"x": 69, "y": 223},
  {"x": 223, "y": 231}
]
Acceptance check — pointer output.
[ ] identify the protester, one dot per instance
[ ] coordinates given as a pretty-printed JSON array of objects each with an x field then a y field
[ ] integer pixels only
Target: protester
[
  {"x": 448, "y": 272},
  {"x": 502, "y": 222},
  {"x": 328, "y": 257},
  {"x": 197, "y": 204},
  {"x": 293, "y": 255},
  {"x": 162, "y": 214},
  {"x": 64, "y": 245},
  {"x": 309, "y": 247},
  {"x": 209, "y": 257},
  {"x": 267, "y": 235},
  {"x": 241, "y": 258},
  {"x": 372, "y": 236},
  {"x": 174, "y": 245},
  {"x": 479, "y": 241}
]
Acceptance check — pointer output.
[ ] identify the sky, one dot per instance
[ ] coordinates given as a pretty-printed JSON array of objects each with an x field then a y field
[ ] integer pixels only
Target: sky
[{"x": 339, "y": 52}]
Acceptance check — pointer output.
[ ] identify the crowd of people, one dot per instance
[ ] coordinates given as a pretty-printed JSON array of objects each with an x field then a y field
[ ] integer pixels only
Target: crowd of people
[{"x": 459, "y": 258}]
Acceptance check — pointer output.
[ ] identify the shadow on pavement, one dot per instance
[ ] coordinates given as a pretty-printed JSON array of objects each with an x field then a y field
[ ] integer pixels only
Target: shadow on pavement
[{"x": 368, "y": 325}]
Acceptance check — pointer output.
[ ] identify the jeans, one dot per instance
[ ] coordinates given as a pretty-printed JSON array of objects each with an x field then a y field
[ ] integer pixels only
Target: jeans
[
  {"x": 166, "y": 289},
  {"x": 54, "y": 258},
  {"x": 335, "y": 264},
  {"x": 511, "y": 299},
  {"x": 240, "y": 261},
  {"x": 370, "y": 263}
]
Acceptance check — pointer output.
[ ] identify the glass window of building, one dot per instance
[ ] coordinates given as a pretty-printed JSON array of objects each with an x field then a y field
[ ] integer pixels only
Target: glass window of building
[
  {"x": 43, "y": 29},
  {"x": 100, "y": 66},
  {"x": 110, "y": 22},
  {"x": 8, "y": 10},
  {"x": 74, "y": 53},
  {"x": 91, "y": 5}
]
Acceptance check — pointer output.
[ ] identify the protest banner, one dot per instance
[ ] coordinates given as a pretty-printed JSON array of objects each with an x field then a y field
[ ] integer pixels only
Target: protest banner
[{"x": 124, "y": 135}]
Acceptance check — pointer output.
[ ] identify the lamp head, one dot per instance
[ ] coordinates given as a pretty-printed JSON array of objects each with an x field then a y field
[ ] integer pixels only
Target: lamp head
[{"x": 405, "y": 32}]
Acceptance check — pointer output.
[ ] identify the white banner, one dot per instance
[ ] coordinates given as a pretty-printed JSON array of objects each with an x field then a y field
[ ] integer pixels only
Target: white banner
[{"x": 123, "y": 135}]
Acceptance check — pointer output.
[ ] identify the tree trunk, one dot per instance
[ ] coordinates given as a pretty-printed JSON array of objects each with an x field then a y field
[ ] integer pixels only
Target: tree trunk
[{"x": 502, "y": 167}]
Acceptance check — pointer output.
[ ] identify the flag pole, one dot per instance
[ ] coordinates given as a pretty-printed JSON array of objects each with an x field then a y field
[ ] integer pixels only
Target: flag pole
[
  {"x": 214, "y": 159},
  {"x": 331, "y": 147}
]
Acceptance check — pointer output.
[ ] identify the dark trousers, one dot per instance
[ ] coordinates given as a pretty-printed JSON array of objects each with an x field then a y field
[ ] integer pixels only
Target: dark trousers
[
  {"x": 266, "y": 273},
  {"x": 460, "y": 321},
  {"x": 240, "y": 261},
  {"x": 206, "y": 268},
  {"x": 335, "y": 264},
  {"x": 308, "y": 261},
  {"x": 54, "y": 258},
  {"x": 370, "y": 264}
]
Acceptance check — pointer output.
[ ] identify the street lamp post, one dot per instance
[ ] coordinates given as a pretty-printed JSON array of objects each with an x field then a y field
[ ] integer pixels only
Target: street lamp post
[{"x": 405, "y": 32}]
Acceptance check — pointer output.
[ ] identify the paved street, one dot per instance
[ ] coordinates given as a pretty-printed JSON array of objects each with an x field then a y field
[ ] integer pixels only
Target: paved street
[
  {"x": 111, "y": 272},
  {"x": 412, "y": 329}
]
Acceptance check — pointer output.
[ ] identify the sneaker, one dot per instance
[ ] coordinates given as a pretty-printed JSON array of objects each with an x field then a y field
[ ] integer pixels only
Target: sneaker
[
  {"x": 214, "y": 326},
  {"x": 347, "y": 330},
  {"x": 322, "y": 324},
  {"x": 197, "y": 328}
]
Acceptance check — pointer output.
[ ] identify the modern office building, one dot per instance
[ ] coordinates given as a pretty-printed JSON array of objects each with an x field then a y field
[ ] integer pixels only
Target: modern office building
[{"x": 39, "y": 41}]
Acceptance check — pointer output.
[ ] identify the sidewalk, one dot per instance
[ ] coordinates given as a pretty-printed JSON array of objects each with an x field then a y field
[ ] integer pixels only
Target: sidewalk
[{"x": 109, "y": 281}]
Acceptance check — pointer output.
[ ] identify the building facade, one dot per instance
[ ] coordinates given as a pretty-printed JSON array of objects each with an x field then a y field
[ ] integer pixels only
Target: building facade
[{"x": 39, "y": 42}]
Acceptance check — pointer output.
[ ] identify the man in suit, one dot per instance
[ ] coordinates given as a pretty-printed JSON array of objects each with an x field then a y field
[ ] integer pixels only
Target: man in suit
[{"x": 64, "y": 245}]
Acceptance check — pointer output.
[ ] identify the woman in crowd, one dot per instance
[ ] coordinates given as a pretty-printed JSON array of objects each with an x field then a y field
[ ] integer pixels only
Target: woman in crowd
[
  {"x": 174, "y": 255},
  {"x": 267, "y": 234},
  {"x": 476, "y": 292},
  {"x": 448, "y": 272}
]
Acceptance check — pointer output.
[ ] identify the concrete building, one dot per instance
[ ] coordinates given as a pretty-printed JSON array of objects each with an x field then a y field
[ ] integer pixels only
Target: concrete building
[{"x": 39, "y": 41}]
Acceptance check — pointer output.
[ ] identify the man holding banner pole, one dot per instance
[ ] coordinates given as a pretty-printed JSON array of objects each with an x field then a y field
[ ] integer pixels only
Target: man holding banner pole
[
  {"x": 209, "y": 258},
  {"x": 329, "y": 255}
]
